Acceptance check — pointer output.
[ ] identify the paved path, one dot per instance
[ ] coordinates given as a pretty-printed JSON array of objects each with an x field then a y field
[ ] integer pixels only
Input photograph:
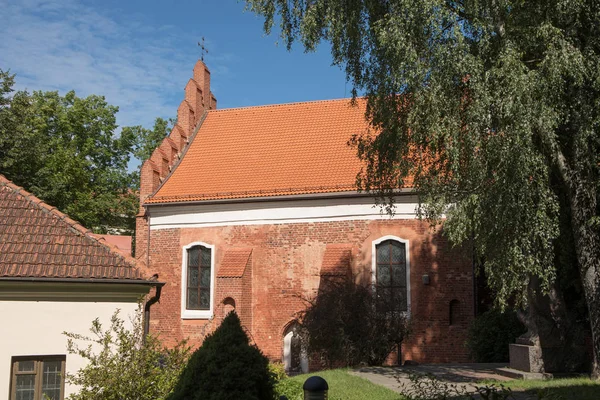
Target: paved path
[{"x": 462, "y": 375}]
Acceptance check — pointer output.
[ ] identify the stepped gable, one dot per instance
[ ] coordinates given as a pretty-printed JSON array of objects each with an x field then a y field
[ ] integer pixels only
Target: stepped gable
[
  {"x": 284, "y": 149},
  {"x": 190, "y": 113},
  {"x": 38, "y": 241}
]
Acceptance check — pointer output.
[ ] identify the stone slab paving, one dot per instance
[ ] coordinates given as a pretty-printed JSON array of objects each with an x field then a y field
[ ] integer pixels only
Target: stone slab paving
[{"x": 462, "y": 375}]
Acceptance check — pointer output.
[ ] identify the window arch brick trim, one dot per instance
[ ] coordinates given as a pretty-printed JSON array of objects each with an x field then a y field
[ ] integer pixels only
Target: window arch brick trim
[
  {"x": 197, "y": 314},
  {"x": 406, "y": 243}
]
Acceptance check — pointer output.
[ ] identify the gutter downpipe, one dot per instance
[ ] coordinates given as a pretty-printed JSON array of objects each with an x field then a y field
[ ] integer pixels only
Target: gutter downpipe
[{"x": 158, "y": 286}]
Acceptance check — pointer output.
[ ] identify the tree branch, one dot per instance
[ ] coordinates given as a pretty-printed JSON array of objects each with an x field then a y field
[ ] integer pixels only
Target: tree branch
[{"x": 451, "y": 5}]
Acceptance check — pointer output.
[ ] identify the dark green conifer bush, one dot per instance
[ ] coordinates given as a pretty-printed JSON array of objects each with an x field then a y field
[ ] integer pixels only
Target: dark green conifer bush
[{"x": 226, "y": 367}]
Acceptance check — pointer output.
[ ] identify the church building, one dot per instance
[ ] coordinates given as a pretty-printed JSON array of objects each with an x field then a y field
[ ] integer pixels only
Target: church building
[{"x": 249, "y": 208}]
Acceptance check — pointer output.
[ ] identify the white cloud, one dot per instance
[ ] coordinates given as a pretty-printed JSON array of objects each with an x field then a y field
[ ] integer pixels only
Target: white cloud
[{"x": 64, "y": 45}]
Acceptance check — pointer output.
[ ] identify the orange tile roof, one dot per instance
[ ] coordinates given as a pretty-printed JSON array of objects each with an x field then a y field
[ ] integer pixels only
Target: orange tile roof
[
  {"x": 234, "y": 263},
  {"x": 284, "y": 149},
  {"x": 38, "y": 241},
  {"x": 337, "y": 259}
]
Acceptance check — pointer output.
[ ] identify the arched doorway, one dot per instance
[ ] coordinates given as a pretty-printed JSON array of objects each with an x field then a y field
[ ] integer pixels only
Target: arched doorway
[{"x": 295, "y": 357}]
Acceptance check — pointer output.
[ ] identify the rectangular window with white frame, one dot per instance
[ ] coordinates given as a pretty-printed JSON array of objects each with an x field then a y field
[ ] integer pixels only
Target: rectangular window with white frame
[{"x": 38, "y": 378}]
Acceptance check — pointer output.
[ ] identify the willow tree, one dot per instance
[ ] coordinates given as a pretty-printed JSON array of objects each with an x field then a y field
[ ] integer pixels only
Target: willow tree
[{"x": 490, "y": 109}]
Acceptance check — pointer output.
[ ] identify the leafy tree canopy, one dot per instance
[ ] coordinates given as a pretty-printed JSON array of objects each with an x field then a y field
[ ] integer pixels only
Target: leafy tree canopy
[
  {"x": 490, "y": 109},
  {"x": 64, "y": 150},
  {"x": 68, "y": 152},
  {"x": 150, "y": 139}
]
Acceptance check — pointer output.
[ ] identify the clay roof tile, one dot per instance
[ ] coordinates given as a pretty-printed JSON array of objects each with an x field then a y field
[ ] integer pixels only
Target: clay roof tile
[
  {"x": 234, "y": 263},
  {"x": 284, "y": 149},
  {"x": 37, "y": 240}
]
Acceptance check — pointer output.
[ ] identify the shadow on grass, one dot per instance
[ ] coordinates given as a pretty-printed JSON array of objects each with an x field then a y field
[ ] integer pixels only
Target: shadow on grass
[
  {"x": 571, "y": 392},
  {"x": 453, "y": 373}
]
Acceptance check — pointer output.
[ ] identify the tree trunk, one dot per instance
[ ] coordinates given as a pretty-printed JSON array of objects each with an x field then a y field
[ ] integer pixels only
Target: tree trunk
[
  {"x": 551, "y": 330},
  {"x": 583, "y": 208},
  {"x": 580, "y": 179}
]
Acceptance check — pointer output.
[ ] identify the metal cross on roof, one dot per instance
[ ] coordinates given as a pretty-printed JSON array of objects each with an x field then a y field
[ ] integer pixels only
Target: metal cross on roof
[{"x": 203, "y": 49}]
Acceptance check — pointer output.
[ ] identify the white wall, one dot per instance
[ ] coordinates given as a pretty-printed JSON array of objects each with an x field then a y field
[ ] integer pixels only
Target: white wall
[
  {"x": 35, "y": 328},
  {"x": 277, "y": 212}
]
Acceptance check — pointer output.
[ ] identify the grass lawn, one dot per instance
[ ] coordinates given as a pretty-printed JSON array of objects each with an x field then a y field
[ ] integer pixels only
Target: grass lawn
[
  {"x": 342, "y": 386},
  {"x": 345, "y": 386},
  {"x": 567, "y": 389}
]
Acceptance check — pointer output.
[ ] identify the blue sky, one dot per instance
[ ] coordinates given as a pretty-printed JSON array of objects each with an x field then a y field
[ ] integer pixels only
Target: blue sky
[{"x": 140, "y": 54}]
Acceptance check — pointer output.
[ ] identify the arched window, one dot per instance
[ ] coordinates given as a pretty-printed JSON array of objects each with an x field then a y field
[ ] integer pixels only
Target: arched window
[
  {"x": 228, "y": 306},
  {"x": 392, "y": 272},
  {"x": 197, "y": 281}
]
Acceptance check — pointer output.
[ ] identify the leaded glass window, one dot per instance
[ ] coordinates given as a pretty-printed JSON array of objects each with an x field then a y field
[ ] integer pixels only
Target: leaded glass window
[
  {"x": 391, "y": 273},
  {"x": 198, "y": 278}
]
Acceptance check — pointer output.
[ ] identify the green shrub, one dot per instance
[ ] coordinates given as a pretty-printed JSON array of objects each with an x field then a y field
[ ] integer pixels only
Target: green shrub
[
  {"x": 226, "y": 367},
  {"x": 290, "y": 388},
  {"x": 122, "y": 365},
  {"x": 491, "y": 333},
  {"x": 277, "y": 371},
  {"x": 348, "y": 324}
]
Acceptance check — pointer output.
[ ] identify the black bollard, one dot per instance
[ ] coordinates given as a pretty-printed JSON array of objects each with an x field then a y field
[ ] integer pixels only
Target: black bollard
[{"x": 315, "y": 388}]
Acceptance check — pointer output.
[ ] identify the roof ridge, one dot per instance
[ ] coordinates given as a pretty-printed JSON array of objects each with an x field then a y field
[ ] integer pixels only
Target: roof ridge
[
  {"x": 65, "y": 218},
  {"x": 293, "y": 103}
]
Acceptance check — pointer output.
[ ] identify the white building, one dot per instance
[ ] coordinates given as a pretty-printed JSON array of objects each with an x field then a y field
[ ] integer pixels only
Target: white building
[{"x": 54, "y": 277}]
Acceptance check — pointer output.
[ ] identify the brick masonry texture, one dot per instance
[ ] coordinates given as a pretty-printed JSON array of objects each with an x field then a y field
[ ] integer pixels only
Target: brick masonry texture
[
  {"x": 276, "y": 151},
  {"x": 285, "y": 266}
]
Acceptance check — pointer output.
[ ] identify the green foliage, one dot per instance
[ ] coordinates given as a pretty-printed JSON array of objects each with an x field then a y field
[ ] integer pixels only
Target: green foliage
[
  {"x": 65, "y": 151},
  {"x": 277, "y": 371},
  {"x": 290, "y": 388},
  {"x": 479, "y": 102},
  {"x": 342, "y": 315},
  {"x": 121, "y": 365},
  {"x": 6, "y": 83},
  {"x": 149, "y": 139},
  {"x": 429, "y": 387},
  {"x": 582, "y": 388},
  {"x": 491, "y": 333},
  {"x": 489, "y": 109},
  {"x": 225, "y": 367}
]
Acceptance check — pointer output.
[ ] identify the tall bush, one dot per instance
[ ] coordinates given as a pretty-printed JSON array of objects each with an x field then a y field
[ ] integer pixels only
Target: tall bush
[
  {"x": 121, "y": 365},
  {"x": 491, "y": 333},
  {"x": 226, "y": 367},
  {"x": 349, "y": 324}
]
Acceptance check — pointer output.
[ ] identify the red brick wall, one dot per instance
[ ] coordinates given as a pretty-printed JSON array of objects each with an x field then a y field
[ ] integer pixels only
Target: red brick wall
[
  {"x": 285, "y": 264},
  {"x": 198, "y": 99}
]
